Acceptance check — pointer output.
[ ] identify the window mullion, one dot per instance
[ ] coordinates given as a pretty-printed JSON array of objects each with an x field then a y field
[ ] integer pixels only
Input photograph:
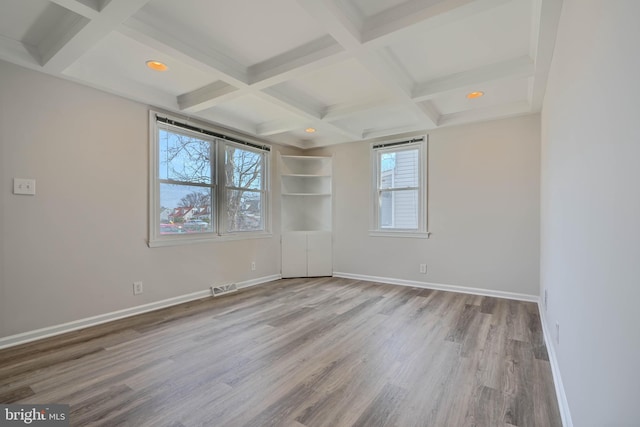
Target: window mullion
[
  {"x": 221, "y": 179},
  {"x": 398, "y": 189},
  {"x": 243, "y": 189},
  {"x": 192, "y": 184}
]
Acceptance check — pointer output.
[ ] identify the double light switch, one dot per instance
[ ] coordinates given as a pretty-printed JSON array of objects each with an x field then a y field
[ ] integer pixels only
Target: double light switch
[{"x": 24, "y": 186}]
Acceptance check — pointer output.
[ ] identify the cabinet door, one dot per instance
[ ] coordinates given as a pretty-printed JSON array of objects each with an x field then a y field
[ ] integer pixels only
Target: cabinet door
[
  {"x": 319, "y": 256},
  {"x": 294, "y": 254}
]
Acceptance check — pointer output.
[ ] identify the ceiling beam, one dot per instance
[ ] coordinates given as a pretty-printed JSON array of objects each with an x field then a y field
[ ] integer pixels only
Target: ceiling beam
[
  {"x": 545, "y": 20},
  {"x": 18, "y": 53},
  {"x": 88, "y": 9},
  {"x": 476, "y": 115},
  {"x": 381, "y": 133},
  {"x": 127, "y": 89},
  {"x": 278, "y": 126},
  {"x": 61, "y": 50},
  {"x": 311, "y": 56},
  {"x": 341, "y": 111},
  {"x": 430, "y": 111},
  {"x": 336, "y": 21},
  {"x": 386, "y": 27},
  {"x": 512, "y": 69},
  {"x": 205, "y": 97},
  {"x": 228, "y": 122}
]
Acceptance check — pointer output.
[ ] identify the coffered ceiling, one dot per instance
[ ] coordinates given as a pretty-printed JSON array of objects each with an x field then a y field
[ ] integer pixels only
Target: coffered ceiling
[{"x": 351, "y": 69}]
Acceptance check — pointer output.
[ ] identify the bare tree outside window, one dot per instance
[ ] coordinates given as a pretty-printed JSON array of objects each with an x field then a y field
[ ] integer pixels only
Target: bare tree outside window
[
  {"x": 188, "y": 189},
  {"x": 184, "y": 158},
  {"x": 186, "y": 183},
  {"x": 244, "y": 171}
]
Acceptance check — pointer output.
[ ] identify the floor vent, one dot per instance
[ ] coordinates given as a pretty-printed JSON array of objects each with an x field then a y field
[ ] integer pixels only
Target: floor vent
[{"x": 223, "y": 289}]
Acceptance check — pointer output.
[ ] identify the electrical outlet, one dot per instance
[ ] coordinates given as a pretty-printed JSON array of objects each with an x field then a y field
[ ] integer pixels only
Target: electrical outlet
[
  {"x": 557, "y": 333},
  {"x": 253, "y": 266},
  {"x": 137, "y": 288},
  {"x": 423, "y": 268}
]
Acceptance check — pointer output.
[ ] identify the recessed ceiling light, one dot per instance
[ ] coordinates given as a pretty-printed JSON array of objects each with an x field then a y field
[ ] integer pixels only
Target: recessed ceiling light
[
  {"x": 157, "y": 65},
  {"x": 473, "y": 95},
  {"x": 310, "y": 130}
]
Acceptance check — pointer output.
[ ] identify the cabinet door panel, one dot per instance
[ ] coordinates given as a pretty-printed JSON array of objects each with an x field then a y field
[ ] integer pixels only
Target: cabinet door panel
[
  {"x": 294, "y": 254},
  {"x": 319, "y": 256}
]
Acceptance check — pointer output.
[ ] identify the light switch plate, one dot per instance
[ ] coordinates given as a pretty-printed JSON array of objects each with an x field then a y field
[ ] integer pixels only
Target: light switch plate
[{"x": 24, "y": 186}]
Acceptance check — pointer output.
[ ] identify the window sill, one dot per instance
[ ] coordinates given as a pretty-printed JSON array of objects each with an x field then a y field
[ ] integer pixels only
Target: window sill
[
  {"x": 405, "y": 234},
  {"x": 183, "y": 240}
]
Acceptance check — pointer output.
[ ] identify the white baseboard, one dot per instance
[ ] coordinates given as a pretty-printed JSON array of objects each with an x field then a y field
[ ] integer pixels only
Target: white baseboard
[
  {"x": 440, "y": 287},
  {"x": 258, "y": 281},
  {"x": 563, "y": 404},
  {"x": 50, "y": 331}
]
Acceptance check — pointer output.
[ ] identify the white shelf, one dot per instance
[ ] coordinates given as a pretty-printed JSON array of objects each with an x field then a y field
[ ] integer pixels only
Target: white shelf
[
  {"x": 306, "y": 187},
  {"x": 307, "y": 194},
  {"x": 305, "y": 166},
  {"x": 306, "y": 175},
  {"x": 285, "y": 156}
]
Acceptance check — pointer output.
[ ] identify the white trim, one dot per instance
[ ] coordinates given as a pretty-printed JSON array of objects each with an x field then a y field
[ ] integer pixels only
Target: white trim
[
  {"x": 260, "y": 280},
  {"x": 396, "y": 233},
  {"x": 440, "y": 287},
  {"x": 50, "y": 331},
  {"x": 247, "y": 235},
  {"x": 563, "y": 403}
]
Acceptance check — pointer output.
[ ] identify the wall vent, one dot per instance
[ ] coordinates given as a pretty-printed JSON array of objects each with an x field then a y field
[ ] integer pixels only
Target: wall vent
[{"x": 217, "y": 291}]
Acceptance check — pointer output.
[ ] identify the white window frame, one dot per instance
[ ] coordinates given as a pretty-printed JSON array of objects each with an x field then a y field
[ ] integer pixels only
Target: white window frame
[
  {"x": 421, "y": 143},
  {"x": 218, "y": 185},
  {"x": 222, "y": 213}
]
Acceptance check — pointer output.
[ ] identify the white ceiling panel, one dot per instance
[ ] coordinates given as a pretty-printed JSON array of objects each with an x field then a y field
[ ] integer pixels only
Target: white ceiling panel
[
  {"x": 118, "y": 57},
  {"x": 379, "y": 119},
  {"x": 486, "y": 38},
  {"x": 352, "y": 69},
  {"x": 247, "y": 31},
  {"x": 346, "y": 82},
  {"x": 504, "y": 93},
  {"x": 252, "y": 110}
]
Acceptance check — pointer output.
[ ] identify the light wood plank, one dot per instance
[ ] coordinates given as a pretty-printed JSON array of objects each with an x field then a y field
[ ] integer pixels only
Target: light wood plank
[{"x": 301, "y": 353}]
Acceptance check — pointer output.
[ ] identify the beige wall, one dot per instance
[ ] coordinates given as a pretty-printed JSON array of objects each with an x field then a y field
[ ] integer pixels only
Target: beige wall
[
  {"x": 483, "y": 210},
  {"x": 590, "y": 255},
  {"x": 74, "y": 250}
]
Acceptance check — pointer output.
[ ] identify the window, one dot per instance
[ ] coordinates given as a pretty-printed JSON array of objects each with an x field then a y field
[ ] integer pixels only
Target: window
[
  {"x": 204, "y": 185},
  {"x": 244, "y": 189},
  {"x": 399, "y": 188}
]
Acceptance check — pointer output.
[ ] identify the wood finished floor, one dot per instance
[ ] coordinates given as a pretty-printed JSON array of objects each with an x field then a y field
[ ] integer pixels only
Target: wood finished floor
[{"x": 300, "y": 352}]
